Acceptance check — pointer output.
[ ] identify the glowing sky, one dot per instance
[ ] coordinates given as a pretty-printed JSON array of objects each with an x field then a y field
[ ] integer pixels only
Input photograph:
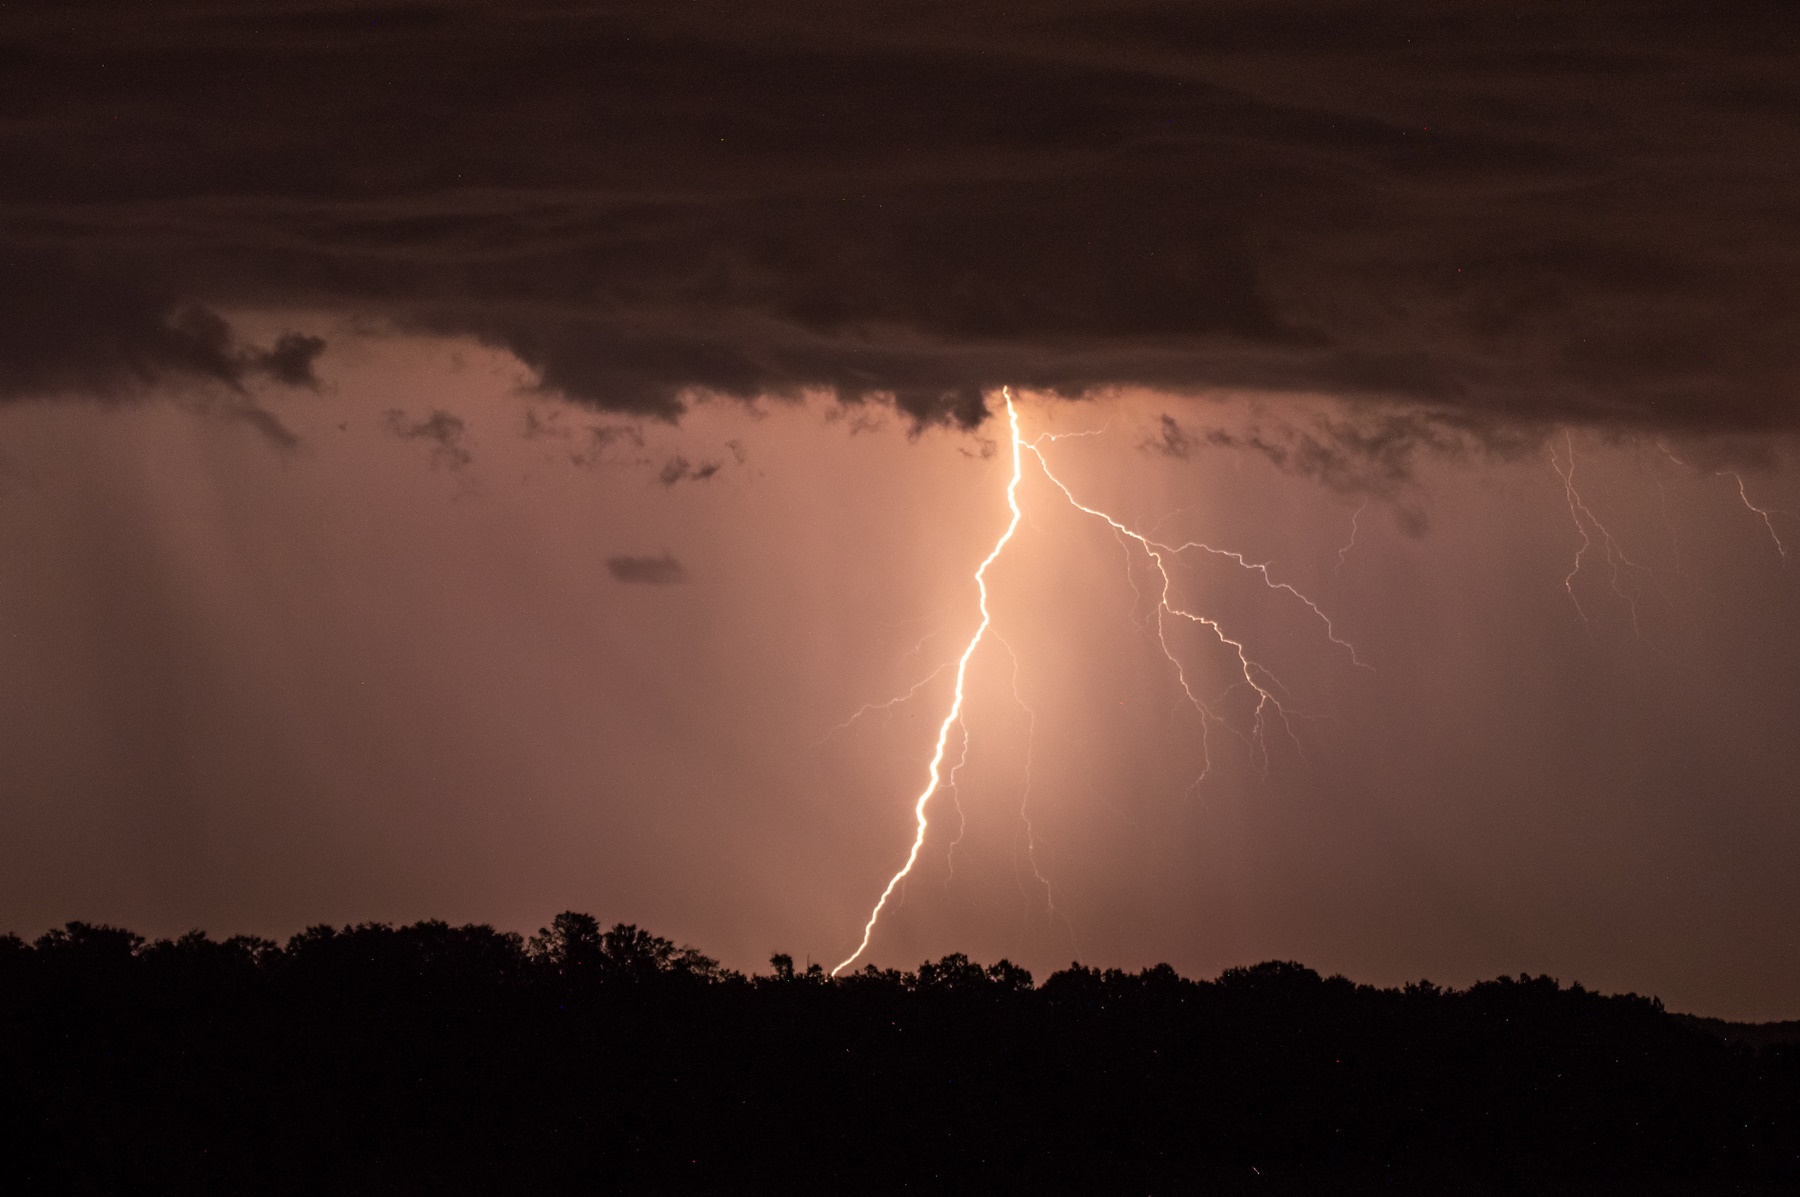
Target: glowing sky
[{"x": 468, "y": 461}]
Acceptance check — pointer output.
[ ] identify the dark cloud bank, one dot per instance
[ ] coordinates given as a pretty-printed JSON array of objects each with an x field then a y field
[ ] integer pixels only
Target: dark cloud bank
[{"x": 1504, "y": 214}]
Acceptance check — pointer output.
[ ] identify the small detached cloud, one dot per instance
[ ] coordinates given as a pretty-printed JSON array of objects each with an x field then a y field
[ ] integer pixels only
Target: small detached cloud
[
  {"x": 1171, "y": 440},
  {"x": 680, "y": 469},
  {"x": 647, "y": 571},
  {"x": 443, "y": 430}
]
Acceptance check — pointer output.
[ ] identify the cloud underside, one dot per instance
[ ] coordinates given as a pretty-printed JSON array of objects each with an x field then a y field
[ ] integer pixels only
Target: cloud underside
[{"x": 1534, "y": 213}]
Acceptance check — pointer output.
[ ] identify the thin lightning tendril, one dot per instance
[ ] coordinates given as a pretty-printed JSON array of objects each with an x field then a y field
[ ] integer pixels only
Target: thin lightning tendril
[
  {"x": 1575, "y": 506},
  {"x": 890, "y": 704},
  {"x": 1765, "y": 512},
  {"x": 1268, "y": 704},
  {"x": 1579, "y": 511},
  {"x": 1262, "y": 567},
  {"x": 1351, "y": 543},
  {"x": 1156, "y": 547},
  {"x": 1025, "y": 792},
  {"x": 962, "y": 820}
]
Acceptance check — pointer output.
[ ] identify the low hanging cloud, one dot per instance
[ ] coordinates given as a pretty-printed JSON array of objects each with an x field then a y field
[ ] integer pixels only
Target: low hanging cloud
[
  {"x": 647, "y": 571},
  {"x": 1507, "y": 215}
]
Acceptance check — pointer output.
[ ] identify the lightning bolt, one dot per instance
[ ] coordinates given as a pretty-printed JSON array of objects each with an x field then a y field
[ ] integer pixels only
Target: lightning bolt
[
  {"x": 954, "y": 715},
  {"x": 1269, "y": 710}
]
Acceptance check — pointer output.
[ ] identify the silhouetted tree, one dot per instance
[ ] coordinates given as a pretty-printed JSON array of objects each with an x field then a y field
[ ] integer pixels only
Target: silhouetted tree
[{"x": 576, "y": 949}]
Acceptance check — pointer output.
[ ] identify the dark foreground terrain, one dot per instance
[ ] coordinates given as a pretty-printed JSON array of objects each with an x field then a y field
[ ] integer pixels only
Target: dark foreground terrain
[{"x": 433, "y": 1059}]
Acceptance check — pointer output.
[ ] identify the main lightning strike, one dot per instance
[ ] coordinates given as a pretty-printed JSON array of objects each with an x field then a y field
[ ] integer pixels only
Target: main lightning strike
[{"x": 954, "y": 716}]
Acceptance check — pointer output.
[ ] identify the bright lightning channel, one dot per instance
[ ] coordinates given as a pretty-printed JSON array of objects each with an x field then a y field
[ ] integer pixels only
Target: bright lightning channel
[{"x": 954, "y": 715}]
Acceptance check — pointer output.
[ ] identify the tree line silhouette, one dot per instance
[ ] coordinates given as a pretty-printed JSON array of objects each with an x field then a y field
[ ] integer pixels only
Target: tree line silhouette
[{"x": 437, "y": 1059}]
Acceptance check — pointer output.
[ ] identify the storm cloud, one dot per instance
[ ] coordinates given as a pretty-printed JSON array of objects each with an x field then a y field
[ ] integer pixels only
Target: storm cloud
[{"x": 1503, "y": 215}]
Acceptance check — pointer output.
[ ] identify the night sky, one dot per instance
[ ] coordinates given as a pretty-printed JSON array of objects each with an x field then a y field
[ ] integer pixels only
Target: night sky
[{"x": 473, "y": 460}]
